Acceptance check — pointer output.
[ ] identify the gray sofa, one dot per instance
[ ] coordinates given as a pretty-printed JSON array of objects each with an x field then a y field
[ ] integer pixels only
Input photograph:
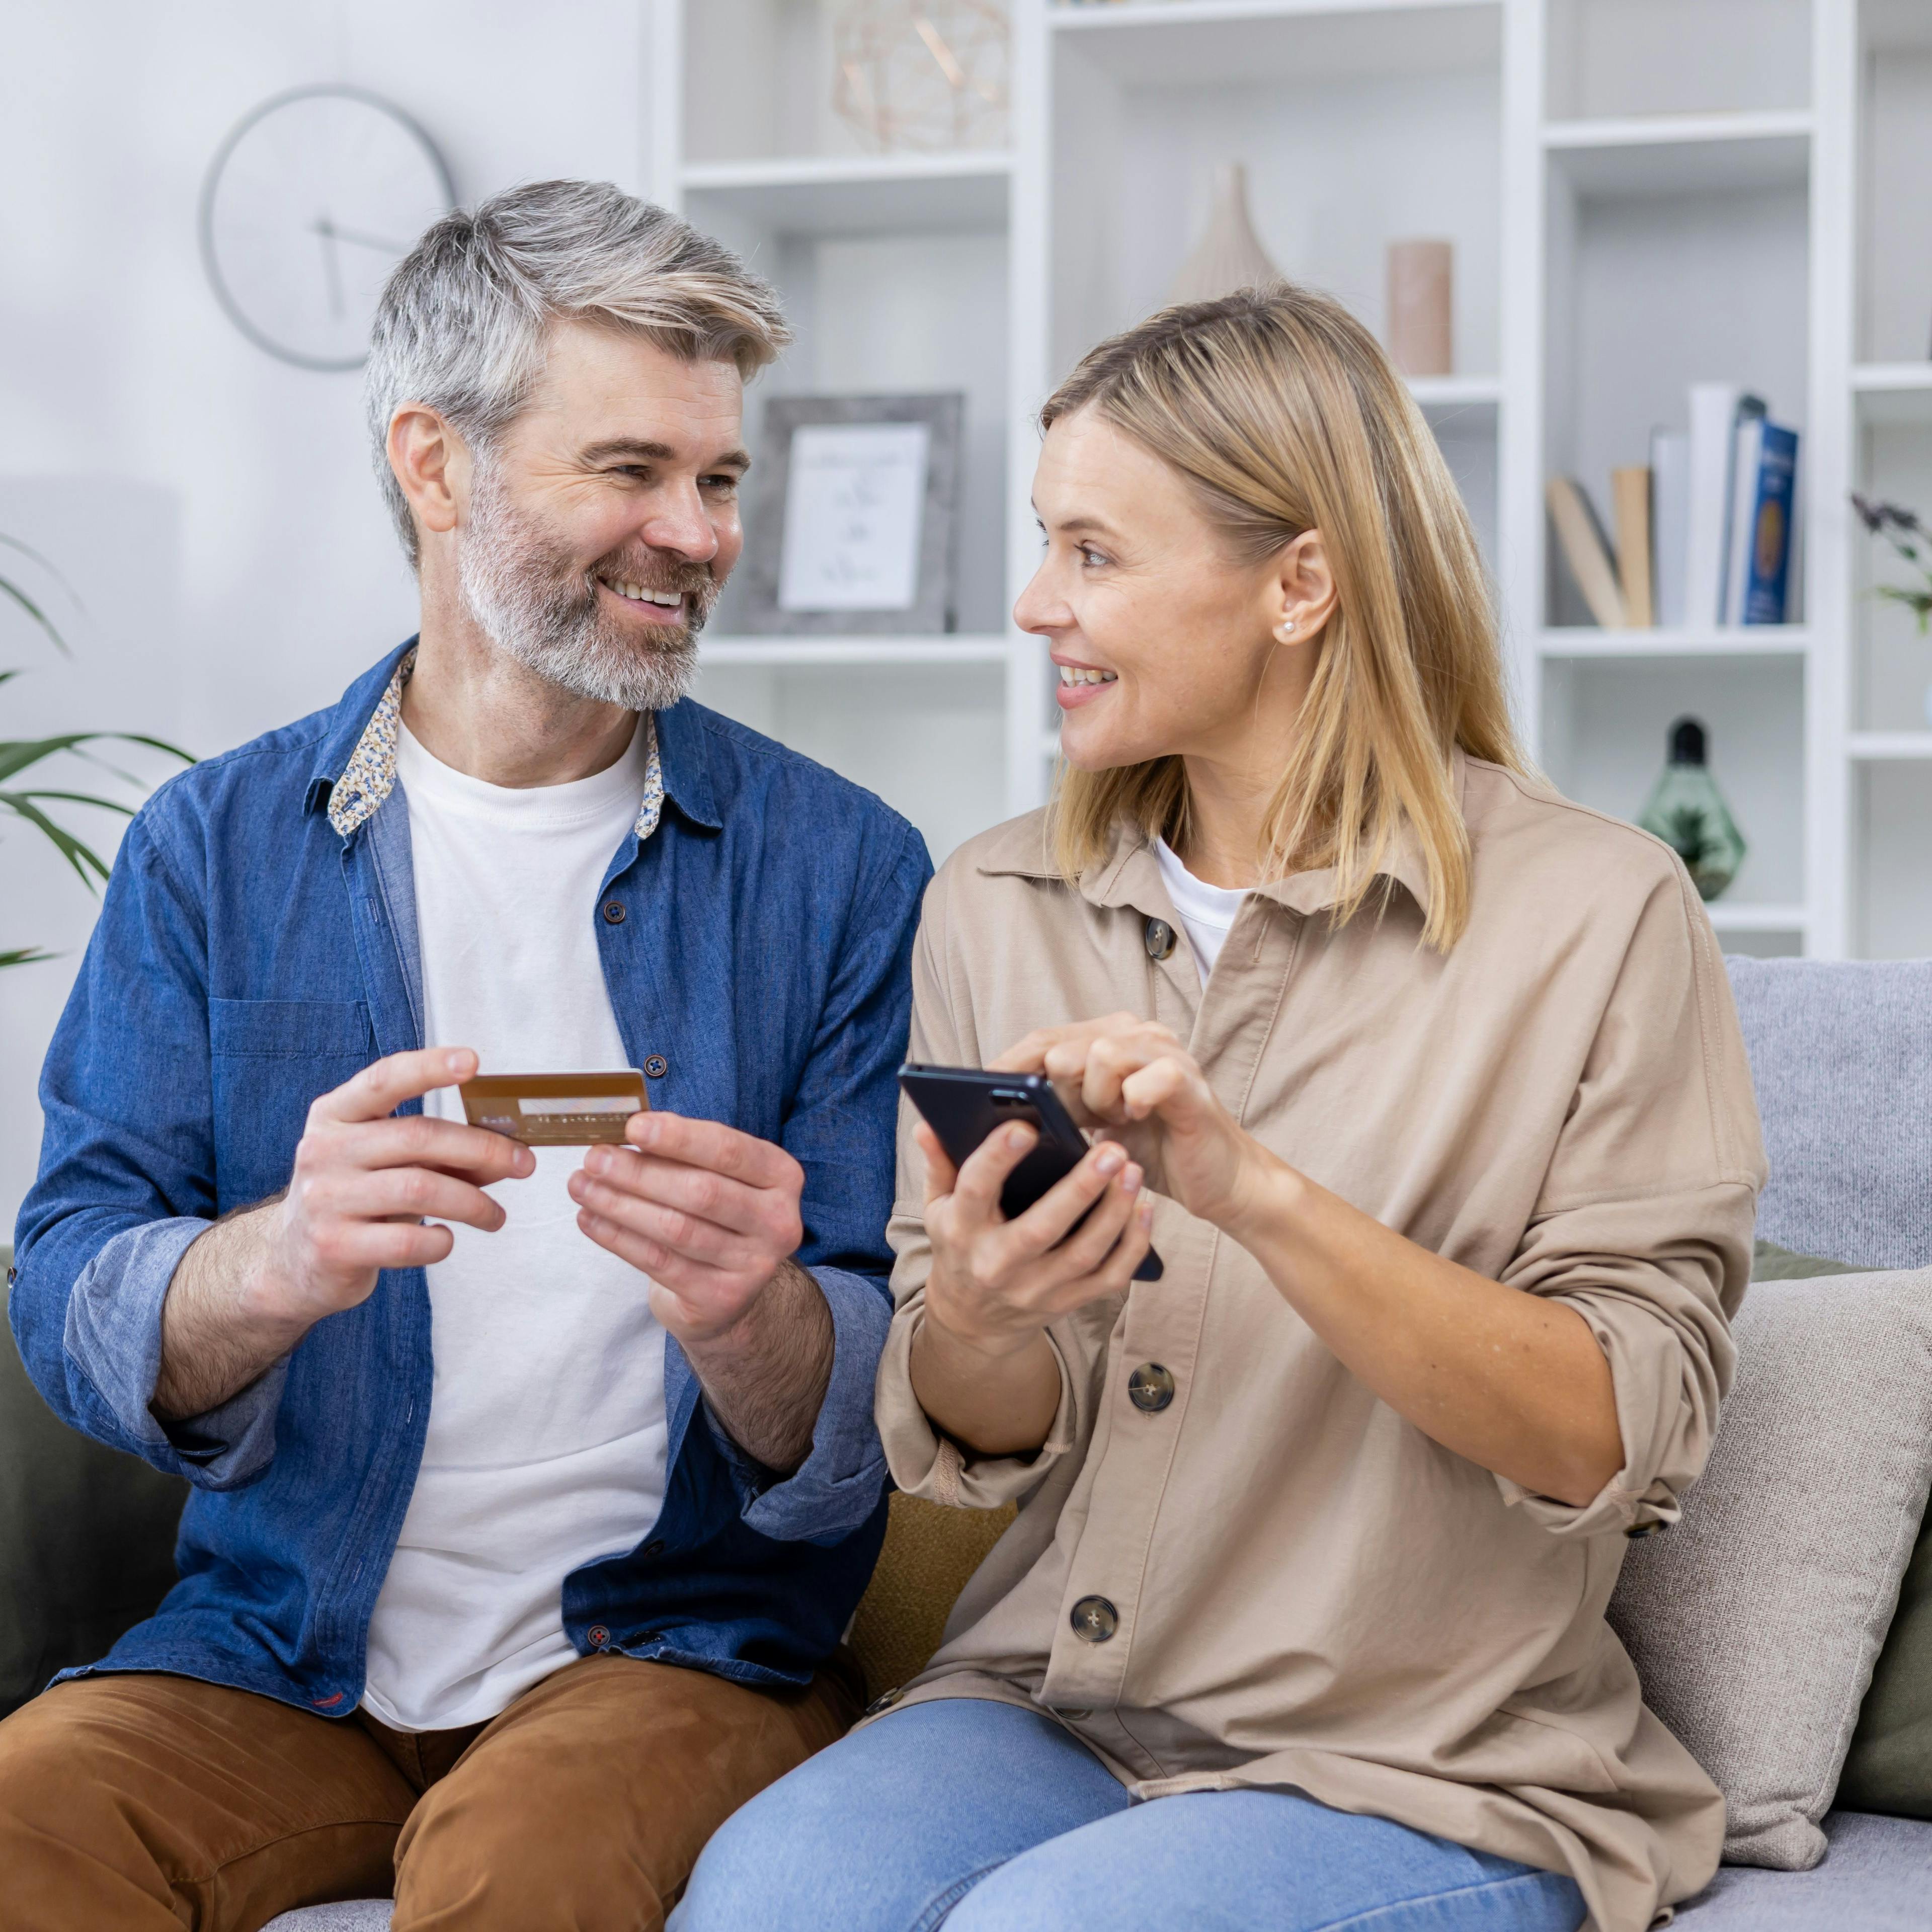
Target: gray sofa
[{"x": 1843, "y": 1058}]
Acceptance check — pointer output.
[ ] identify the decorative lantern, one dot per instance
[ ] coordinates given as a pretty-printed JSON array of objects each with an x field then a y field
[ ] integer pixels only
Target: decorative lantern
[{"x": 928, "y": 74}]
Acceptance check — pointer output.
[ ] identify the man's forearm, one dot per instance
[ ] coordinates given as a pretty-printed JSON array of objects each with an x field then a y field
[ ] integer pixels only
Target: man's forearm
[
  {"x": 765, "y": 1377},
  {"x": 214, "y": 1342}
]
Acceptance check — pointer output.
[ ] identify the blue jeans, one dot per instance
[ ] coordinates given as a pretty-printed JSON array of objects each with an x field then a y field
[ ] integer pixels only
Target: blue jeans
[{"x": 988, "y": 1818}]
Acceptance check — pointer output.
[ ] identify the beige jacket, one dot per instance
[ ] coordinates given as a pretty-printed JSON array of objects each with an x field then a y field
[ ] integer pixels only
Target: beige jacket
[{"x": 1305, "y": 1589}]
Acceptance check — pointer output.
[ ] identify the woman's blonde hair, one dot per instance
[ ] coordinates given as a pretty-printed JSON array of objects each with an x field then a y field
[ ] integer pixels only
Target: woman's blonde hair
[{"x": 1279, "y": 409}]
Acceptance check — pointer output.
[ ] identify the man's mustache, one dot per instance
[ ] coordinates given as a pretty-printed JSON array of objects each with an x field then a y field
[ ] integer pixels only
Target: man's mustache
[{"x": 652, "y": 570}]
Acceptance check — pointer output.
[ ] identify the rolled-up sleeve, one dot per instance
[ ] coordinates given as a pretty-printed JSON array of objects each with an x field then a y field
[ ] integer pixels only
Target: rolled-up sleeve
[
  {"x": 923, "y": 1462},
  {"x": 834, "y": 1490},
  {"x": 1645, "y": 1220},
  {"x": 113, "y": 1339}
]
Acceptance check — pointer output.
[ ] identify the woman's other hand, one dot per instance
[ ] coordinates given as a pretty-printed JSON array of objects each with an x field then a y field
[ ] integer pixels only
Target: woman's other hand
[{"x": 1132, "y": 1080}]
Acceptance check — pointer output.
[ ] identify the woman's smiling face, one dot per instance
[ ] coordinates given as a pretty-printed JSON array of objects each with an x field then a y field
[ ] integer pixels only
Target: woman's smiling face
[{"x": 1162, "y": 639}]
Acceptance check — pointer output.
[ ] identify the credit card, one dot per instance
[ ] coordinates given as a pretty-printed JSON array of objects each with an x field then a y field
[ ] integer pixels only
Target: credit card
[{"x": 556, "y": 1109}]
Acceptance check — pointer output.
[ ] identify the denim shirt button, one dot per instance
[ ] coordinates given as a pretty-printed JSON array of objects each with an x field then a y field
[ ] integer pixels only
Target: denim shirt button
[
  {"x": 656, "y": 1066},
  {"x": 613, "y": 912},
  {"x": 598, "y": 1635},
  {"x": 654, "y": 1547}
]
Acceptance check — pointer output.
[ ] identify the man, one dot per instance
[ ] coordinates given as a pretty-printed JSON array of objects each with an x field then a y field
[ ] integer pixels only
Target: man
[{"x": 531, "y": 1492}]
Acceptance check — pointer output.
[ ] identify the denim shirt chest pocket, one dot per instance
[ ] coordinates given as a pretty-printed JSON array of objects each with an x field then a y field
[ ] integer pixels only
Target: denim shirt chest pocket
[{"x": 270, "y": 1060}]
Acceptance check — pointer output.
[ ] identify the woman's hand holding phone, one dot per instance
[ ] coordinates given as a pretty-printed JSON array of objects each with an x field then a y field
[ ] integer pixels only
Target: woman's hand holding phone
[
  {"x": 981, "y": 1365},
  {"x": 996, "y": 1283}
]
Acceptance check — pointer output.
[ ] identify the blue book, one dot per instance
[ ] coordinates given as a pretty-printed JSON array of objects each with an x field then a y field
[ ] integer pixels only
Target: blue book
[{"x": 1767, "y": 564}]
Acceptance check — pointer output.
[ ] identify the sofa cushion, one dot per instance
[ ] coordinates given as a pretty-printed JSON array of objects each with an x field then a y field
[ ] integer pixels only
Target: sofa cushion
[
  {"x": 87, "y": 1539},
  {"x": 1889, "y": 1766},
  {"x": 930, "y": 1552},
  {"x": 351, "y": 1914},
  {"x": 1755, "y": 1620},
  {"x": 1873, "y": 1878},
  {"x": 1841, "y": 1055}
]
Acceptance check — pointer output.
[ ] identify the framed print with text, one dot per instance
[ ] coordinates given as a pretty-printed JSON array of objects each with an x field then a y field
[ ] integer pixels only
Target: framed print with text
[{"x": 853, "y": 523}]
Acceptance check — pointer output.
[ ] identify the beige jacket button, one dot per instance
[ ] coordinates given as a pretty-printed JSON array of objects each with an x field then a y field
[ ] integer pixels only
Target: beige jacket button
[
  {"x": 1159, "y": 939},
  {"x": 1150, "y": 1387},
  {"x": 883, "y": 1702},
  {"x": 1094, "y": 1620},
  {"x": 1649, "y": 1528}
]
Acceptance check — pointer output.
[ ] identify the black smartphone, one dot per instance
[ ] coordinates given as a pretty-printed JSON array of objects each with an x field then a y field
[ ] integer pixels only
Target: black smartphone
[{"x": 963, "y": 1105}]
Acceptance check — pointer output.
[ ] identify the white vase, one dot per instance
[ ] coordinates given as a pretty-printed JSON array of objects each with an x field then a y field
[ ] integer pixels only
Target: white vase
[{"x": 1229, "y": 255}]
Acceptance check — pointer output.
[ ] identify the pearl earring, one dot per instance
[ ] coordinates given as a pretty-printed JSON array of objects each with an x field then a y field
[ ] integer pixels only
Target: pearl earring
[{"x": 1284, "y": 629}]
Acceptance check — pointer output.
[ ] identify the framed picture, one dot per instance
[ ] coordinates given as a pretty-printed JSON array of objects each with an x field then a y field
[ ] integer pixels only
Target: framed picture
[{"x": 854, "y": 516}]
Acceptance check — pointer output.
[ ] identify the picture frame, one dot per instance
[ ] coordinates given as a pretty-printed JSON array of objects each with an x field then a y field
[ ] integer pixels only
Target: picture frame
[{"x": 853, "y": 523}]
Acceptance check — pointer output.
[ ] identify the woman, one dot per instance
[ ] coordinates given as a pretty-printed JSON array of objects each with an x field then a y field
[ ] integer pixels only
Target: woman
[{"x": 1440, "y": 1120}]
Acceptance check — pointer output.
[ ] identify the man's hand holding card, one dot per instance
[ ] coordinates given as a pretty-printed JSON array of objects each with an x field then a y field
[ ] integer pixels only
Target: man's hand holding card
[{"x": 709, "y": 1213}]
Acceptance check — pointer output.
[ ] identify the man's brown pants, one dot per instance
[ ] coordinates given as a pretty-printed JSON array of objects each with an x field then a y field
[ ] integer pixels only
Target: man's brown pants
[{"x": 145, "y": 1804}]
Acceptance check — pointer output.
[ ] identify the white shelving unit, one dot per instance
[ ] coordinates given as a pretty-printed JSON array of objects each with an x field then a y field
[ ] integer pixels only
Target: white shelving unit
[{"x": 1641, "y": 193}]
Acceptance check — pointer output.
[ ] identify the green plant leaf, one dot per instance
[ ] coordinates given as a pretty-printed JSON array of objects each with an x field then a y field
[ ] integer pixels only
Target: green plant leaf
[
  {"x": 24, "y": 955},
  {"x": 8, "y": 588},
  {"x": 78, "y": 854},
  {"x": 83, "y": 798},
  {"x": 17, "y": 754}
]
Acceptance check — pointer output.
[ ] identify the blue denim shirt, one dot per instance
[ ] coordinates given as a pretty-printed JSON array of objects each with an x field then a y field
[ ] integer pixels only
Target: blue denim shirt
[{"x": 249, "y": 957}]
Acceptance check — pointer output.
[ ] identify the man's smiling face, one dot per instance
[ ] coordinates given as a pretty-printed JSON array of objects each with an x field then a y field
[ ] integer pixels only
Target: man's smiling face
[{"x": 600, "y": 528}]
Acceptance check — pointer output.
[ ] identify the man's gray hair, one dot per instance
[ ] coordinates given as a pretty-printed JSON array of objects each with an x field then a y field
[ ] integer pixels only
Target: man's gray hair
[{"x": 463, "y": 321}]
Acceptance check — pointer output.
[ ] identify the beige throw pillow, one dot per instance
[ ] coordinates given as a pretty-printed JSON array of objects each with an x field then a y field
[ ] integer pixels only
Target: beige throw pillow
[{"x": 1755, "y": 1620}]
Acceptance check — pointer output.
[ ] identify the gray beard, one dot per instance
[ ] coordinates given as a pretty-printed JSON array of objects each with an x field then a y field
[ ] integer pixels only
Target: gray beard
[{"x": 533, "y": 600}]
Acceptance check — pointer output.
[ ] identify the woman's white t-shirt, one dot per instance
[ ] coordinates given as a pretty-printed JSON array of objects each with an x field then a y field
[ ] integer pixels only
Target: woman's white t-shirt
[
  {"x": 1206, "y": 912},
  {"x": 546, "y": 1439}
]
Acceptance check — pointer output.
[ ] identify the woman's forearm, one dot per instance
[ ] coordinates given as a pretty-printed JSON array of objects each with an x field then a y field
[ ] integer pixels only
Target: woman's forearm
[
  {"x": 1509, "y": 1380},
  {"x": 993, "y": 1404}
]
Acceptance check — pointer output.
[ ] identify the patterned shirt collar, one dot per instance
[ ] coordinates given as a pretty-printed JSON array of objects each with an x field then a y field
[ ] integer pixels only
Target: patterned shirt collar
[{"x": 370, "y": 775}]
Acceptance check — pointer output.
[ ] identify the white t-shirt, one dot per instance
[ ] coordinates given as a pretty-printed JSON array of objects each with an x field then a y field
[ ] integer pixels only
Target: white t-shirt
[
  {"x": 546, "y": 1435},
  {"x": 1207, "y": 912}
]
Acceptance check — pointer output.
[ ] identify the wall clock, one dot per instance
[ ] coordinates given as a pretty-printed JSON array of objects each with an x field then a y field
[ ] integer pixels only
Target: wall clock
[{"x": 309, "y": 203}]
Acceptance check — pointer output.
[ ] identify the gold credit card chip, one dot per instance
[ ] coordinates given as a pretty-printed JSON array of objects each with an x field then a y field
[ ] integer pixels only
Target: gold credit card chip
[{"x": 556, "y": 1109}]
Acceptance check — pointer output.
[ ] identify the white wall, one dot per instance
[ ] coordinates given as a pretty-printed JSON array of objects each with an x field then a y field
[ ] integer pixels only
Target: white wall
[{"x": 215, "y": 507}]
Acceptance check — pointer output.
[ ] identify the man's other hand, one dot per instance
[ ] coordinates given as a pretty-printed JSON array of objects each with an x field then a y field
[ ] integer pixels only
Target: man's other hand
[
  {"x": 249, "y": 1289},
  {"x": 709, "y": 1213},
  {"x": 365, "y": 1181}
]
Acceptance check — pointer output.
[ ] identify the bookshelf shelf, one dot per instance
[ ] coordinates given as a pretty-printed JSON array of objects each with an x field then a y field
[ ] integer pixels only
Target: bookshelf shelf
[
  {"x": 1743, "y": 640},
  {"x": 1653, "y": 155},
  {"x": 1170, "y": 13},
  {"x": 1885, "y": 378},
  {"x": 1893, "y": 395},
  {"x": 1453, "y": 392},
  {"x": 1732, "y": 915},
  {"x": 1872, "y": 747},
  {"x": 858, "y": 195}
]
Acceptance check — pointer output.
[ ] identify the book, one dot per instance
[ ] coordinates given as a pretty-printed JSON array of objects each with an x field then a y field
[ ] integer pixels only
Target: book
[
  {"x": 1669, "y": 525},
  {"x": 1765, "y": 597},
  {"x": 1716, "y": 410},
  {"x": 1630, "y": 511},
  {"x": 1747, "y": 441},
  {"x": 1586, "y": 550}
]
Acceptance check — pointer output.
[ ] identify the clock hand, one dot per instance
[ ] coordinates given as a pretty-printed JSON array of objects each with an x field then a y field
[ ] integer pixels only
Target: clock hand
[
  {"x": 362, "y": 239},
  {"x": 332, "y": 267}
]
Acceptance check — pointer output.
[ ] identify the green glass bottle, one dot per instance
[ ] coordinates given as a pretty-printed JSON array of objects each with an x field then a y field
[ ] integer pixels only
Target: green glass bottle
[{"x": 1686, "y": 810}]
